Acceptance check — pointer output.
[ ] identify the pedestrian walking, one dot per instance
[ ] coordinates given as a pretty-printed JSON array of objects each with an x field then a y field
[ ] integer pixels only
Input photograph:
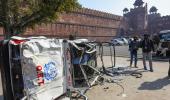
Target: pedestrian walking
[
  {"x": 147, "y": 49},
  {"x": 133, "y": 48}
]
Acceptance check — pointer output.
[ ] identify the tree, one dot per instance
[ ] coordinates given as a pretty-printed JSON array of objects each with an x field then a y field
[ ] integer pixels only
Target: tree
[
  {"x": 138, "y": 3},
  {"x": 153, "y": 9},
  {"x": 17, "y": 15},
  {"x": 125, "y": 10}
]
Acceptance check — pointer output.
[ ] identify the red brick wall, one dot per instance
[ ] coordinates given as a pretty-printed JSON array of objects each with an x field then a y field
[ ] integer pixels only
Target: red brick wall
[{"x": 84, "y": 23}]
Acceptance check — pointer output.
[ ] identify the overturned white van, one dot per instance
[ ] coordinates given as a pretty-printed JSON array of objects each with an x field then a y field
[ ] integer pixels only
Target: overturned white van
[{"x": 40, "y": 68}]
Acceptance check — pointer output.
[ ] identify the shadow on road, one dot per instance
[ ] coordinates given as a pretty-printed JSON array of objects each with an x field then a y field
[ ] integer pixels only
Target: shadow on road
[
  {"x": 153, "y": 60},
  {"x": 155, "y": 85},
  {"x": 141, "y": 70}
]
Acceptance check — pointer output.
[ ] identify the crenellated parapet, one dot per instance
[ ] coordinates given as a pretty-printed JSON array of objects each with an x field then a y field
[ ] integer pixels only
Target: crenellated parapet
[
  {"x": 97, "y": 13},
  {"x": 83, "y": 23}
]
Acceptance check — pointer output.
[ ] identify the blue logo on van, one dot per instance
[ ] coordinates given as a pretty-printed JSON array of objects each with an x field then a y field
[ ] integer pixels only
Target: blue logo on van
[{"x": 50, "y": 71}]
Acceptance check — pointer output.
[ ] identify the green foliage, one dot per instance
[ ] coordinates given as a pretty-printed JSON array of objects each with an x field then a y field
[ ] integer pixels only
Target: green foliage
[
  {"x": 17, "y": 15},
  {"x": 125, "y": 10},
  {"x": 138, "y": 3},
  {"x": 153, "y": 9}
]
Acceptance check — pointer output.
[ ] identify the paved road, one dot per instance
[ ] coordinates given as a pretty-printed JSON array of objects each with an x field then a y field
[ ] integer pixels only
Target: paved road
[
  {"x": 121, "y": 51},
  {"x": 151, "y": 86}
]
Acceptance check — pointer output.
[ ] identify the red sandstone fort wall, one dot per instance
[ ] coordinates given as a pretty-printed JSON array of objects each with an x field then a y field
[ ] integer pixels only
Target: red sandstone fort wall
[{"x": 83, "y": 23}]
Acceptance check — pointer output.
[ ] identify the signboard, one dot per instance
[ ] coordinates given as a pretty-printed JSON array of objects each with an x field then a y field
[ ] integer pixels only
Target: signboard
[{"x": 42, "y": 66}]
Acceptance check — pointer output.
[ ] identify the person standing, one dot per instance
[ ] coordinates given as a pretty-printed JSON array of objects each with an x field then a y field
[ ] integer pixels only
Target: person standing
[
  {"x": 133, "y": 48},
  {"x": 147, "y": 48}
]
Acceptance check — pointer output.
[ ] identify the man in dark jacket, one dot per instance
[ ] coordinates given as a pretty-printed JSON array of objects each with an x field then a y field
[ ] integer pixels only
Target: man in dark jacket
[
  {"x": 133, "y": 48},
  {"x": 147, "y": 48}
]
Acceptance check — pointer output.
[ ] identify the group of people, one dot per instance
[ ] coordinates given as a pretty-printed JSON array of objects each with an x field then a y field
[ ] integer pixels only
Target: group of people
[{"x": 147, "y": 46}]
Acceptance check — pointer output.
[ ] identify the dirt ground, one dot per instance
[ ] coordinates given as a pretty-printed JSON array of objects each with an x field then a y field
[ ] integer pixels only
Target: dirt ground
[{"x": 151, "y": 86}]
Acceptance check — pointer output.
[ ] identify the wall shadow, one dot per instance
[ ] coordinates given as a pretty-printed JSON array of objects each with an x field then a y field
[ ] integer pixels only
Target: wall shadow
[{"x": 155, "y": 85}]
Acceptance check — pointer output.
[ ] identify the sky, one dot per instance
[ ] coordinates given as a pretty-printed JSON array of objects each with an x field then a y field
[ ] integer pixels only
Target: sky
[{"x": 116, "y": 6}]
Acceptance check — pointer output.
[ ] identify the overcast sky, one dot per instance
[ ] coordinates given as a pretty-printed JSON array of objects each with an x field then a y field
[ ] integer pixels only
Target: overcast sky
[{"x": 116, "y": 6}]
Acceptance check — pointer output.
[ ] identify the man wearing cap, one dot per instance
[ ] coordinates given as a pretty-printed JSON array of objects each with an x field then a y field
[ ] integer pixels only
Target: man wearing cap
[{"x": 147, "y": 48}]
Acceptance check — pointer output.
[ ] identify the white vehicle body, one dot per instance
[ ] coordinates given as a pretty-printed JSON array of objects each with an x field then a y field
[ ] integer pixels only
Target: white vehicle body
[
  {"x": 47, "y": 54},
  {"x": 131, "y": 39},
  {"x": 164, "y": 35},
  {"x": 124, "y": 40},
  {"x": 46, "y": 66},
  {"x": 164, "y": 31},
  {"x": 117, "y": 42}
]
